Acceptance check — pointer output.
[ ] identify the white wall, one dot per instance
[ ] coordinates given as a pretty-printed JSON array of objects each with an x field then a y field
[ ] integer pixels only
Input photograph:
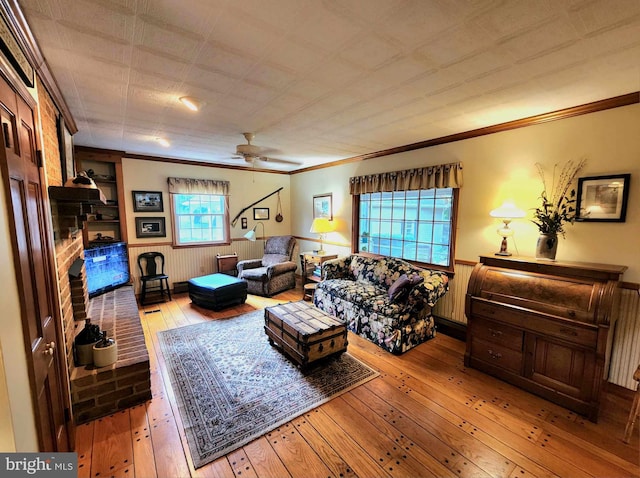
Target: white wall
[{"x": 502, "y": 166}]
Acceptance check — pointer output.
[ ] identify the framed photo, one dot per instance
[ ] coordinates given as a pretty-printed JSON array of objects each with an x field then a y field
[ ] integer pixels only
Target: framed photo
[
  {"x": 65, "y": 147},
  {"x": 260, "y": 213},
  {"x": 323, "y": 206},
  {"x": 603, "y": 198},
  {"x": 150, "y": 227},
  {"x": 147, "y": 201}
]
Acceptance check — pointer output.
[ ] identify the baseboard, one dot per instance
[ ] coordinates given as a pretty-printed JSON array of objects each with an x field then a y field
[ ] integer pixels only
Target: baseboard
[{"x": 451, "y": 328}]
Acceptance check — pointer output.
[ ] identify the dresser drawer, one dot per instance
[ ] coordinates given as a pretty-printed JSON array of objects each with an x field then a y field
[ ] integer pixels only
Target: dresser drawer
[
  {"x": 496, "y": 354},
  {"x": 561, "y": 328},
  {"x": 496, "y": 333},
  {"x": 576, "y": 334}
]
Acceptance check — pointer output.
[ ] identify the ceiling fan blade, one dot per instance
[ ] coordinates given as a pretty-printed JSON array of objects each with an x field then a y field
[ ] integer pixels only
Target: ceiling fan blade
[{"x": 267, "y": 159}]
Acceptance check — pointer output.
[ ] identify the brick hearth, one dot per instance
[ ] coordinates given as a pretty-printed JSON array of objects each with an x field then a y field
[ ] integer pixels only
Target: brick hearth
[{"x": 96, "y": 392}]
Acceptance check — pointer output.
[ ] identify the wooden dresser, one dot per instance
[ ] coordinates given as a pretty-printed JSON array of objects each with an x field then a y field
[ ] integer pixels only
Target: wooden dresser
[{"x": 546, "y": 327}]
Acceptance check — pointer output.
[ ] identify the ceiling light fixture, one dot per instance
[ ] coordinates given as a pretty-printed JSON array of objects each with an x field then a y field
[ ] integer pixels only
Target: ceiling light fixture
[
  {"x": 163, "y": 142},
  {"x": 190, "y": 102}
]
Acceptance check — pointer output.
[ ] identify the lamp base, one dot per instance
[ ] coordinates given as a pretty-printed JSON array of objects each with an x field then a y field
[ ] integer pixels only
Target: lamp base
[{"x": 502, "y": 253}]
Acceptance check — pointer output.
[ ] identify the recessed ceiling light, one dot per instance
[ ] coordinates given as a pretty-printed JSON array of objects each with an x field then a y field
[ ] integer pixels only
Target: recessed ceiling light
[
  {"x": 190, "y": 102},
  {"x": 163, "y": 142}
]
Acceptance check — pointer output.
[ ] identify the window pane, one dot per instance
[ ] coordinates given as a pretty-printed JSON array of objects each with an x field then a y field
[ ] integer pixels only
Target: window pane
[
  {"x": 414, "y": 225},
  {"x": 200, "y": 218}
]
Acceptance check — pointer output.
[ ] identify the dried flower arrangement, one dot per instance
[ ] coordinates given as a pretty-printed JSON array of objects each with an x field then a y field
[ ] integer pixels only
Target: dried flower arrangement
[{"x": 558, "y": 202}]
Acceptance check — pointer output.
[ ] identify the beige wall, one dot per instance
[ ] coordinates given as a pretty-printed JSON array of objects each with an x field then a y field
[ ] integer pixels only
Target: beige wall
[{"x": 502, "y": 166}]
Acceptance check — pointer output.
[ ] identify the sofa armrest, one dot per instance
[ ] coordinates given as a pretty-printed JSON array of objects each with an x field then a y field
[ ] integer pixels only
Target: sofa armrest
[
  {"x": 280, "y": 268},
  {"x": 336, "y": 268},
  {"x": 248, "y": 264},
  {"x": 434, "y": 286}
]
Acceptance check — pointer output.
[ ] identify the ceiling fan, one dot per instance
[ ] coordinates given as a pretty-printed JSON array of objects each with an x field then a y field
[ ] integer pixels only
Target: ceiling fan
[{"x": 251, "y": 152}]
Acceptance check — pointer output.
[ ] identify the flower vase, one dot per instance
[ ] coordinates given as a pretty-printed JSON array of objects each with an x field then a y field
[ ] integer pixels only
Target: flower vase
[{"x": 547, "y": 246}]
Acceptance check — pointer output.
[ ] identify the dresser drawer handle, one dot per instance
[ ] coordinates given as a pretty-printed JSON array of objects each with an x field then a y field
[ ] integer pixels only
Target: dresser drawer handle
[
  {"x": 571, "y": 313},
  {"x": 494, "y": 355},
  {"x": 495, "y": 333},
  {"x": 569, "y": 332}
]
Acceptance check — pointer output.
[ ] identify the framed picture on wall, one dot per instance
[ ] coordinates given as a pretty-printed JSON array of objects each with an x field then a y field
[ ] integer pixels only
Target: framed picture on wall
[
  {"x": 603, "y": 198},
  {"x": 260, "y": 213},
  {"x": 147, "y": 201},
  {"x": 323, "y": 206},
  {"x": 150, "y": 227}
]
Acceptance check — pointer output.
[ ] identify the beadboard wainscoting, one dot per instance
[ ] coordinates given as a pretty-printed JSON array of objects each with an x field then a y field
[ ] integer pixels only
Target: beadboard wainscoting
[{"x": 182, "y": 264}]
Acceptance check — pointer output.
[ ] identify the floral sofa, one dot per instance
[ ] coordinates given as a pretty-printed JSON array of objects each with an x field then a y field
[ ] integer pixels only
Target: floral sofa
[{"x": 385, "y": 300}]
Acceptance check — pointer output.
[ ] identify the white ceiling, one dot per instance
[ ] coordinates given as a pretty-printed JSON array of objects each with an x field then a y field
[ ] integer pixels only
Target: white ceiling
[{"x": 323, "y": 80}]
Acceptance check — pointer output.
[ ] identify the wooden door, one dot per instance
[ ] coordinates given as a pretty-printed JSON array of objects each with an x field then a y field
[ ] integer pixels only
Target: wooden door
[{"x": 32, "y": 256}]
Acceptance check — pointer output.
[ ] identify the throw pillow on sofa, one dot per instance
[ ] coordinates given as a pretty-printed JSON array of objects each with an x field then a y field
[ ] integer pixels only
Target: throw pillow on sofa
[{"x": 402, "y": 287}]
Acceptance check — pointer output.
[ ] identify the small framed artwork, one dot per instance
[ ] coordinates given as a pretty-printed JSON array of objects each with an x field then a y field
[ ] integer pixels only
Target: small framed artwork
[
  {"x": 147, "y": 201},
  {"x": 603, "y": 198},
  {"x": 323, "y": 206},
  {"x": 260, "y": 213},
  {"x": 150, "y": 227}
]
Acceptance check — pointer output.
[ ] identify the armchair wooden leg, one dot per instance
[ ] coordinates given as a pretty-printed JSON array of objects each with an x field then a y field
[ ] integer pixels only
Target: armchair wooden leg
[{"x": 635, "y": 409}]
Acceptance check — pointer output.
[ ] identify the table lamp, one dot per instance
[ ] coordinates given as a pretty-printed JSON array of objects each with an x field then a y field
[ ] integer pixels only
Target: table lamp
[
  {"x": 506, "y": 212},
  {"x": 320, "y": 226}
]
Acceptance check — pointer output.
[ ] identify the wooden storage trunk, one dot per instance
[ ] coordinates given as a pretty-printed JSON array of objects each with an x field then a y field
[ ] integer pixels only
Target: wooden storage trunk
[{"x": 304, "y": 332}]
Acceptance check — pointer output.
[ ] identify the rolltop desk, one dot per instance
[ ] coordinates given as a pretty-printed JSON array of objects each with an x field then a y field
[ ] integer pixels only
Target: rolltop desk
[{"x": 546, "y": 327}]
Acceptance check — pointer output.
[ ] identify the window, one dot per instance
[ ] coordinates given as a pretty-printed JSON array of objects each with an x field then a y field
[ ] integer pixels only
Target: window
[
  {"x": 416, "y": 226},
  {"x": 200, "y": 219}
]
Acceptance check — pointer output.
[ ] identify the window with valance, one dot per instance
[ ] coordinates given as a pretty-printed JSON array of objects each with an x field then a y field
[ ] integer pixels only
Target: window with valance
[
  {"x": 410, "y": 214},
  {"x": 200, "y": 209}
]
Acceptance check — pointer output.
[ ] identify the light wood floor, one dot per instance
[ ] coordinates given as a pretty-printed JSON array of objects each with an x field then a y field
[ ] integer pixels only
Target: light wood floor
[{"x": 426, "y": 415}]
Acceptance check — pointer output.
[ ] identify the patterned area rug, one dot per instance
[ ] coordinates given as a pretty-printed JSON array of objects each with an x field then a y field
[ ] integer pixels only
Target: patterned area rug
[{"x": 232, "y": 386}]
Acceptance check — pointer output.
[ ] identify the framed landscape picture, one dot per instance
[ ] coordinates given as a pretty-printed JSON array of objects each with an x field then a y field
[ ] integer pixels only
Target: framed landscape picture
[
  {"x": 147, "y": 201},
  {"x": 603, "y": 198},
  {"x": 323, "y": 206}
]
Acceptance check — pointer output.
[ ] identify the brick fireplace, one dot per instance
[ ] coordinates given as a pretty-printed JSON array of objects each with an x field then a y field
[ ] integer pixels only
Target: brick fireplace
[{"x": 96, "y": 392}]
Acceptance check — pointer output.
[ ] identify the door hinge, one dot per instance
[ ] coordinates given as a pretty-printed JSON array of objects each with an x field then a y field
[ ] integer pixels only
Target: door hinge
[
  {"x": 39, "y": 157},
  {"x": 67, "y": 415}
]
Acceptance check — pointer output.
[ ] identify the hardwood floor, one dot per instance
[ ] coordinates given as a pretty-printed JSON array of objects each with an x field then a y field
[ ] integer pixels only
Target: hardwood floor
[{"x": 426, "y": 415}]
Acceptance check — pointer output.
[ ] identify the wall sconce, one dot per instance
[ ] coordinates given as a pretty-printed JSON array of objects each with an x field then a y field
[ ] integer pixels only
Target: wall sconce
[
  {"x": 506, "y": 212},
  {"x": 322, "y": 225}
]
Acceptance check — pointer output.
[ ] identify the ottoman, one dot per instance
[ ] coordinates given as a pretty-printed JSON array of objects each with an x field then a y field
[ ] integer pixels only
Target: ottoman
[{"x": 217, "y": 291}]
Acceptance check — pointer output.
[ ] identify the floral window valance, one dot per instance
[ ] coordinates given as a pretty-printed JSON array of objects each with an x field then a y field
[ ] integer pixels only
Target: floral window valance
[
  {"x": 440, "y": 176},
  {"x": 198, "y": 186}
]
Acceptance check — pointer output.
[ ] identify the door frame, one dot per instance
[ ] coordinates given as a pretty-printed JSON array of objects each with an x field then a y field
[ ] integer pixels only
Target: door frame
[{"x": 8, "y": 74}]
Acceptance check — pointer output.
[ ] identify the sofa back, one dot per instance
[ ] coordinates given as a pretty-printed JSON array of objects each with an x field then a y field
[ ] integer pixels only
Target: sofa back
[{"x": 380, "y": 271}]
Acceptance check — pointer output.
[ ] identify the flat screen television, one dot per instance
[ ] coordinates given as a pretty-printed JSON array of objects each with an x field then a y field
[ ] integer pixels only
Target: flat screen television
[{"x": 107, "y": 267}]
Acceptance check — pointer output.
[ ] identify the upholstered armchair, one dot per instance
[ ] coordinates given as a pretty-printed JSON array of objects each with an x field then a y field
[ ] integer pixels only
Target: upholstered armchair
[{"x": 275, "y": 272}]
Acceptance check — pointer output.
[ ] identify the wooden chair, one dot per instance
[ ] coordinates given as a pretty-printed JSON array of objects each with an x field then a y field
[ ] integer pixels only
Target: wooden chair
[
  {"x": 635, "y": 409},
  {"x": 151, "y": 265}
]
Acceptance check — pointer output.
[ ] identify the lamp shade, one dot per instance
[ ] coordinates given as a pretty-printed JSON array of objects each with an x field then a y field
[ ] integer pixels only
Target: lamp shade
[
  {"x": 251, "y": 235},
  {"x": 322, "y": 225},
  {"x": 508, "y": 210}
]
